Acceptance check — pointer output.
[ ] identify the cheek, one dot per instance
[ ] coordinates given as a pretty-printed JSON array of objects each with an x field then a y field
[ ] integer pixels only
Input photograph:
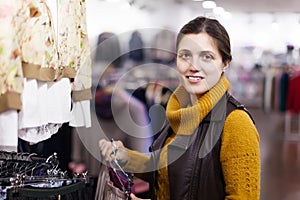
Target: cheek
[
  {"x": 213, "y": 75},
  {"x": 182, "y": 66},
  {"x": 213, "y": 68}
]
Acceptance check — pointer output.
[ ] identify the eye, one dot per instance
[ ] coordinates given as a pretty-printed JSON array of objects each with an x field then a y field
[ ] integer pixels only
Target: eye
[
  {"x": 184, "y": 55},
  {"x": 206, "y": 57}
]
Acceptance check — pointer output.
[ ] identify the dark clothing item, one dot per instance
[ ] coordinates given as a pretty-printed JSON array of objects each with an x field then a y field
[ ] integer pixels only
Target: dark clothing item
[
  {"x": 136, "y": 45},
  {"x": 194, "y": 167},
  {"x": 293, "y": 95},
  {"x": 284, "y": 84},
  {"x": 108, "y": 49},
  {"x": 59, "y": 143}
]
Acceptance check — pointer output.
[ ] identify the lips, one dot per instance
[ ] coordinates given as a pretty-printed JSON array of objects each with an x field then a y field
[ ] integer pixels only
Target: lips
[{"x": 195, "y": 78}]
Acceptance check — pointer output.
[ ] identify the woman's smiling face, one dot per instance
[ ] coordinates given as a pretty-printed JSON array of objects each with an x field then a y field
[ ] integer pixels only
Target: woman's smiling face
[{"x": 199, "y": 63}]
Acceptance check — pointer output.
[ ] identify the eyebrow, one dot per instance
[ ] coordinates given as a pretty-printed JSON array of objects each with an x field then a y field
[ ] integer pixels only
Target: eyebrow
[{"x": 204, "y": 51}]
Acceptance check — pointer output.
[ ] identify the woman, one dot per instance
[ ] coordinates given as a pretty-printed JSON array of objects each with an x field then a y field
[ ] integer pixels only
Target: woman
[{"x": 209, "y": 148}]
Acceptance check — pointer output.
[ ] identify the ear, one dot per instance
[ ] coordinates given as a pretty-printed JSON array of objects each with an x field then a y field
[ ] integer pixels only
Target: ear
[{"x": 225, "y": 66}]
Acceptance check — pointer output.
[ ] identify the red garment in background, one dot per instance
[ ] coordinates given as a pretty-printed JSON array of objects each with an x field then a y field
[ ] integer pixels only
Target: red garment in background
[{"x": 293, "y": 96}]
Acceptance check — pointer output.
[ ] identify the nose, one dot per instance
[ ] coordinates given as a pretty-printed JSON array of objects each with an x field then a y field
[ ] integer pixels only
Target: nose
[{"x": 195, "y": 64}]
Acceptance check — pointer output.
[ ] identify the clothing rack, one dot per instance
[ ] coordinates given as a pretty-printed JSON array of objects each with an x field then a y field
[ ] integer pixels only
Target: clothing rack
[
  {"x": 29, "y": 175},
  {"x": 293, "y": 106}
]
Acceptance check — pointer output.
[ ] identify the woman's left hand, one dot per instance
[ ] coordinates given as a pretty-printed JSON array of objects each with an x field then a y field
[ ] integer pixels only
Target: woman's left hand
[{"x": 133, "y": 197}]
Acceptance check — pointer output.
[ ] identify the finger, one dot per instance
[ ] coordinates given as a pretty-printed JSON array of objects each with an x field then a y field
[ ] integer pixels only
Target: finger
[
  {"x": 103, "y": 147},
  {"x": 119, "y": 144},
  {"x": 106, "y": 149},
  {"x": 101, "y": 143},
  {"x": 133, "y": 197},
  {"x": 121, "y": 155}
]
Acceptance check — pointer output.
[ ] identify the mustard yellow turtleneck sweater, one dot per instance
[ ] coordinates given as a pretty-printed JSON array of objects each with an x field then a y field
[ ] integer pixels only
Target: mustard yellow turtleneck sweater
[{"x": 239, "y": 156}]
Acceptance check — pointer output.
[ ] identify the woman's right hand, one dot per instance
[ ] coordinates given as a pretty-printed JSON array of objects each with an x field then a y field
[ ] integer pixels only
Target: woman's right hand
[{"x": 107, "y": 149}]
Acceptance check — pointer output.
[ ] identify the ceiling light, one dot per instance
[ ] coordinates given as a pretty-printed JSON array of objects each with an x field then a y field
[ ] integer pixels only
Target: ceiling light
[
  {"x": 275, "y": 24},
  {"x": 209, "y": 4},
  {"x": 218, "y": 10},
  {"x": 227, "y": 15}
]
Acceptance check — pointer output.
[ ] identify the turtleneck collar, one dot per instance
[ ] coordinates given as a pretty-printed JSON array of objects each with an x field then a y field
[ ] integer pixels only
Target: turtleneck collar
[{"x": 184, "y": 119}]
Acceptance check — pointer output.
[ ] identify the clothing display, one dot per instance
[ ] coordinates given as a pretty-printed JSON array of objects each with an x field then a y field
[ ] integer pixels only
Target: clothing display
[
  {"x": 292, "y": 104},
  {"x": 278, "y": 84},
  {"x": 9, "y": 130},
  {"x": 30, "y": 176},
  {"x": 36, "y": 37},
  {"x": 50, "y": 97},
  {"x": 73, "y": 46},
  {"x": 164, "y": 47},
  {"x": 293, "y": 95},
  {"x": 47, "y": 65},
  {"x": 108, "y": 49},
  {"x": 136, "y": 45},
  {"x": 11, "y": 76},
  {"x": 40, "y": 64}
]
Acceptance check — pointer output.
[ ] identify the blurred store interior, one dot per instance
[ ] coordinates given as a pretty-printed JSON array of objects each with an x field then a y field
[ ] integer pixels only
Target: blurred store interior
[
  {"x": 133, "y": 62},
  {"x": 266, "y": 46}
]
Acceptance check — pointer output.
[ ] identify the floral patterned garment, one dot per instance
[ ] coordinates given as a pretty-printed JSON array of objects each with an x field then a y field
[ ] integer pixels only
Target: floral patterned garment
[
  {"x": 74, "y": 50},
  {"x": 37, "y": 41},
  {"x": 11, "y": 76}
]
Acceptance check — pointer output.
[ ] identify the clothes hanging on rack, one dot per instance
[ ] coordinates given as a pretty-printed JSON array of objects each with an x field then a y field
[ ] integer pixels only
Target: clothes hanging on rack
[
  {"x": 108, "y": 49},
  {"x": 75, "y": 53},
  {"x": 268, "y": 91},
  {"x": 40, "y": 66},
  {"x": 292, "y": 104},
  {"x": 9, "y": 130},
  {"x": 283, "y": 90},
  {"x": 56, "y": 66},
  {"x": 30, "y": 176},
  {"x": 136, "y": 45},
  {"x": 164, "y": 47},
  {"x": 281, "y": 85},
  {"x": 275, "y": 88},
  {"x": 11, "y": 77},
  {"x": 293, "y": 95}
]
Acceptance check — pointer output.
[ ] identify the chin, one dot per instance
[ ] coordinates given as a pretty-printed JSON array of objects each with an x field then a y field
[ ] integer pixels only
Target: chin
[{"x": 194, "y": 90}]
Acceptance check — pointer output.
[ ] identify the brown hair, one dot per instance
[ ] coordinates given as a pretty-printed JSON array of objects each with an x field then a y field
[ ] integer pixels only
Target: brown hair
[{"x": 214, "y": 29}]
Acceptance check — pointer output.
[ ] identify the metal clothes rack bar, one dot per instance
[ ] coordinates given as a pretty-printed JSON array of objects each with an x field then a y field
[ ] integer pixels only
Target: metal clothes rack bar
[{"x": 32, "y": 192}]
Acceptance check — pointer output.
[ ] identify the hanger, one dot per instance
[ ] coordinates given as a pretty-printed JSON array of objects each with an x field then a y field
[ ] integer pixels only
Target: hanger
[
  {"x": 117, "y": 169},
  {"x": 24, "y": 169}
]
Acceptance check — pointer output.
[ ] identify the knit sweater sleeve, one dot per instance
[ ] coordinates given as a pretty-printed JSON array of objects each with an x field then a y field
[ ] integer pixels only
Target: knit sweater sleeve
[
  {"x": 136, "y": 162},
  {"x": 240, "y": 157}
]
